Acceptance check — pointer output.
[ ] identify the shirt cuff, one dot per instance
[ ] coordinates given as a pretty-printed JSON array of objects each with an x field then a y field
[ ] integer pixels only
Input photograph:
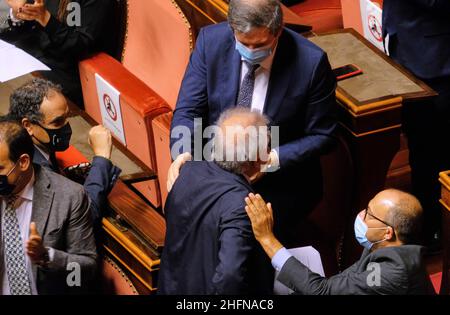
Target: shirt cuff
[
  {"x": 280, "y": 258},
  {"x": 274, "y": 163},
  {"x": 51, "y": 254},
  {"x": 13, "y": 18}
]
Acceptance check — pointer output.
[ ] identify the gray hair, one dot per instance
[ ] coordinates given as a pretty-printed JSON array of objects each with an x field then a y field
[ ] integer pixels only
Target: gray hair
[
  {"x": 244, "y": 15},
  {"x": 243, "y": 155}
]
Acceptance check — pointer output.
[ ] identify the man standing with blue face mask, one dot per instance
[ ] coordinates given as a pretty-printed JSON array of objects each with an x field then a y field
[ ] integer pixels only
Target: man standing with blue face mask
[
  {"x": 253, "y": 61},
  {"x": 389, "y": 229}
]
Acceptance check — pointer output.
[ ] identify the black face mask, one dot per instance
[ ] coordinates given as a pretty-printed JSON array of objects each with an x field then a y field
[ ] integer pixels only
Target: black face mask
[
  {"x": 6, "y": 188},
  {"x": 59, "y": 138}
]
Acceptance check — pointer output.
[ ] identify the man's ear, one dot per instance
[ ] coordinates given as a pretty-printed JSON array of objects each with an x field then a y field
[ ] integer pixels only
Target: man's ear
[
  {"x": 24, "y": 162},
  {"x": 26, "y": 123},
  {"x": 390, "y": 233}
]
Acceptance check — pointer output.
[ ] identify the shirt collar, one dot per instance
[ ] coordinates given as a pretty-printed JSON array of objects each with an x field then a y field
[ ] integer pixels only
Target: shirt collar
[{"x": 45, "y": 154}]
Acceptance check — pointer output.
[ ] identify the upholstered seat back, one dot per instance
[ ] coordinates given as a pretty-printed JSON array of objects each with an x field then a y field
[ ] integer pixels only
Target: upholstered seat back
[{"x": 158, "y": 45}]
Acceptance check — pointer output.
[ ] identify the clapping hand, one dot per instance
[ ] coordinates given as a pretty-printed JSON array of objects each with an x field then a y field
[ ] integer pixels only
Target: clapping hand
[{"x": 34, "y": 12}]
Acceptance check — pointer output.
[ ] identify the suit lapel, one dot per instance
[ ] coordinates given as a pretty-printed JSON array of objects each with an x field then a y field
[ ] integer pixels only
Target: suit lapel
[
  {"x": 280, "y": 76},
  {"x": 40, "y": 159},
  {"x": 231, "y": 74},
  {"x": 42, "y": 200}
]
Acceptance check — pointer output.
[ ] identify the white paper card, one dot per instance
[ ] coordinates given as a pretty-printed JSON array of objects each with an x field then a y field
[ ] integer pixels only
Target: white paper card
[
  {"x": 109, "y": 102},
  {"x": 371, "y": 18},
  {"x": 15, "y": 62}
]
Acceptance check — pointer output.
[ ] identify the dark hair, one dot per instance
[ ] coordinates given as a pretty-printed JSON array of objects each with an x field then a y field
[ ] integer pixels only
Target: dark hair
[
  {"x": 26, "y": 101},
  {"x": 16, "y": 138},
  {"x": 243, "y": 15}
]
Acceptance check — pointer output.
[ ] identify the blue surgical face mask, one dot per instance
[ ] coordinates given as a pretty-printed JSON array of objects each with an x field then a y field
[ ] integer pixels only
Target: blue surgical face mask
[
  {"x": 360, "y": 233},
  {"x": 253, "y": 56}
]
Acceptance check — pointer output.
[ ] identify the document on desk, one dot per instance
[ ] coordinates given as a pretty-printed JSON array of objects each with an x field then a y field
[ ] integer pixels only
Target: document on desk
[
  {"x": 14, "y": 62},
  {"x": 308, "y": 256}
]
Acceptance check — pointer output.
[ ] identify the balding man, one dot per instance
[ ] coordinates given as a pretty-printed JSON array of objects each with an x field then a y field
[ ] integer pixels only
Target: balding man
[
  {"x": 390, "y": 264},
  {"x": 209, "y": 246},
  {"x": 253, "y": 61}
]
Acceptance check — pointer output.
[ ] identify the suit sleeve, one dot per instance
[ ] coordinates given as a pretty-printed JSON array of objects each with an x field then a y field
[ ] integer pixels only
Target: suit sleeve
[
  {"x": 383, "y": 276},
  {"x": 79, "y": 240},
  {"x": 193, "y": 97},
  {"x": 101, "y": 179},
  {"x": 236, "y": 243},
  {"x": 79, "y": 39},
  {"x": 320, "y": 119}
]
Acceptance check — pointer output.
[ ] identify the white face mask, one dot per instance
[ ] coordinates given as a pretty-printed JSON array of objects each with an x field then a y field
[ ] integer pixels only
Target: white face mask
[{"x": 360, "y": 233}]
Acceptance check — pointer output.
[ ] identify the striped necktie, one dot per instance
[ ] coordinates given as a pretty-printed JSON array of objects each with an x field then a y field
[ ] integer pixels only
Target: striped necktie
[{"x": 247, "y": 86}]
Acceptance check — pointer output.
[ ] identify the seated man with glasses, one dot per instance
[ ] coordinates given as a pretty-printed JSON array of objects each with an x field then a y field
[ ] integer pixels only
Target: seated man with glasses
[{"x": 391, "y": 263}]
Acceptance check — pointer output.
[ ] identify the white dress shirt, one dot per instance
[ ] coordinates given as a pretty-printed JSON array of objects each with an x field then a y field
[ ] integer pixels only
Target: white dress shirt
[
  {"x": 262, "y": 76},
  {"x": 24, "y": 206}
]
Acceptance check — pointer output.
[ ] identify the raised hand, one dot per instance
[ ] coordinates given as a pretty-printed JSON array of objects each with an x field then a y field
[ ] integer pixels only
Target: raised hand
[
  {"x": 35, "y": 12},
  {"x": 34, "y": 247}
]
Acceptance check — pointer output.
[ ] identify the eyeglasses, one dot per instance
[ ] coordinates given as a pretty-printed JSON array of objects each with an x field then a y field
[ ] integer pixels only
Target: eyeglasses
[{"x": 366, "y": 212}]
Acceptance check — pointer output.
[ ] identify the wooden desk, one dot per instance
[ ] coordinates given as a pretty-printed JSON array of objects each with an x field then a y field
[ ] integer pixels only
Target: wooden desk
[
  {"x": 370, "y": 116},
  {"x": 444, "y": 178}
]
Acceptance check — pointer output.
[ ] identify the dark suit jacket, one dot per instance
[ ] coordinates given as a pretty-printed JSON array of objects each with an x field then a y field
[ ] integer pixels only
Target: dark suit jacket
[
  {"x": 419, "y": 35},
  {"x": 60, "y": 46},
  {"x": 61, "y": 212},
  {"x": 101, "y": 179},
  {"x": 401, "y": 271},
  {"x": 209, "y": 246},
  {"x": 300, "y": 100}
]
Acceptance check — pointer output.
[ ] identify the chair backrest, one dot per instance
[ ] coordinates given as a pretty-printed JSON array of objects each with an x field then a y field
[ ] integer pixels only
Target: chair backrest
[
  {"x": 139, "y": 105},
  {"x": 445, "y": 201},
  {"x": 113, "y": 280},
  {"x": 158, "y": 45}
]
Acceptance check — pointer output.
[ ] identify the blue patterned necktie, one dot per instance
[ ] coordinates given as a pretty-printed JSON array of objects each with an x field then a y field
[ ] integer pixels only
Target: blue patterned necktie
[
  {"x": 248, "y": 84},
  {"x": 19, "y": 283}
]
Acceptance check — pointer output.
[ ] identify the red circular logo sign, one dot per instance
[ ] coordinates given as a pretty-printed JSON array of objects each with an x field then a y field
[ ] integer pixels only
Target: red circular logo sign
[
  {"x": 375, "y": 27},
  {"x": 110, "y": 107}
]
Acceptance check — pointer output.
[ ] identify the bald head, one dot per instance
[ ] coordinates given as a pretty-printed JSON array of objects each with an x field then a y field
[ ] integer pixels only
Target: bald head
[
  {"x": 245, "y": 15},
  {"x": 402, "y": 211}
]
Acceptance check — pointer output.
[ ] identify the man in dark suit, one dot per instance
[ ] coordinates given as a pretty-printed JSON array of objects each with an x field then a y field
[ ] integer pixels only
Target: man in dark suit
[
  {"x": 390, "y": 263},
  {"x": 209, "y": 246},
  {"x": 253, "y": 61},
  {"x": 47, "y": 243},
  {"x": 43, "y": 111},
  {"x": 417, "y": 36}
]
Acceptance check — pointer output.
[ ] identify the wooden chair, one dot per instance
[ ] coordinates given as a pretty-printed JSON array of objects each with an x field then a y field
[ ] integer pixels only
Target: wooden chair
[
  {"x": 445, "y": 201},
  {"x": 113, "y": 280}
]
